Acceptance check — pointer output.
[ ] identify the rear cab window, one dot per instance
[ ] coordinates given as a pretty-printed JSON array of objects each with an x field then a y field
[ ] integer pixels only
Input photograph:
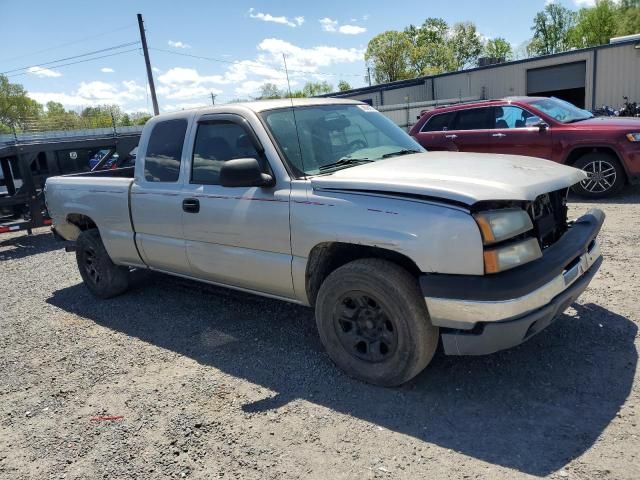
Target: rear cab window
[{"x": 164, "y": 151}]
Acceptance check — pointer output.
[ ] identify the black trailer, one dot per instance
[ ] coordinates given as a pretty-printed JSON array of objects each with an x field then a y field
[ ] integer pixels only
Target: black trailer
[{"x": 27, "y": 161}]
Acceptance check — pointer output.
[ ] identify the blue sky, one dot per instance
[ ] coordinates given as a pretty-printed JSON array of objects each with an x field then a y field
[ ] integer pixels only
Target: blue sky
[{"x": 323, "y": 40}]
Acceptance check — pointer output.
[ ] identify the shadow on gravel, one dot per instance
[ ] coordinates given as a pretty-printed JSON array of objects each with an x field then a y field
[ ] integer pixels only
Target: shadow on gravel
[
  {"x": 24, "y": 245},
  {"x": 533, "y": 408}
]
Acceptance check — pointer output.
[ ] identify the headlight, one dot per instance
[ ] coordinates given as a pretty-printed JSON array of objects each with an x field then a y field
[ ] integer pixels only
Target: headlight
[
  {"x": 499, "y": 225},
  {"x": 633, "y": 137},
  {"x": 510, "y": 256}
]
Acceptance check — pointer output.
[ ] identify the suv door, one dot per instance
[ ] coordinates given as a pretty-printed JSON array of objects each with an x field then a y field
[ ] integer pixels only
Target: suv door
[
  {"x": 471, "y": 129},
  {"x": 434, "y": 134},
  {"x": 510, "y": 134},
  {"x": 237, "y": 236}
]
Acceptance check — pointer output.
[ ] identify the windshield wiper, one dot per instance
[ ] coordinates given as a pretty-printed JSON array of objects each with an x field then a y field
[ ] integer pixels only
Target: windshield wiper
[
  {"x": 405, "y": 151},
  {"x": 344, "y": 162}
]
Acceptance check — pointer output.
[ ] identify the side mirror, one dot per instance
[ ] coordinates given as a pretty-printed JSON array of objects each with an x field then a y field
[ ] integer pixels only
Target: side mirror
[
  {"x": 536, "y": 121},
  {"x": 244, "y": 172}
]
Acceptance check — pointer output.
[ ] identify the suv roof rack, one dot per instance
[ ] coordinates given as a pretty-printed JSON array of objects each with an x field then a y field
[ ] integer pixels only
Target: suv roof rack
[{"x": 446, "y": 105}]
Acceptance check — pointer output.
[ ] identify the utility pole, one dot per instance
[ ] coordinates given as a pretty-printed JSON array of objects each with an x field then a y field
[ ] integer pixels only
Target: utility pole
[
  {"x": 152, "y": 87},
  {"x": 213, "y": 99},
  {"x": 369, "y": 75}
]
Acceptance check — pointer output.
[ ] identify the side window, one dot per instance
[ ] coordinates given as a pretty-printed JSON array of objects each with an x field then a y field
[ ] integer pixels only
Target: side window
[
  {"x": 162, "y": 161},
  {"x": 438, "y": 123},
  {"x": 474, "y": 119},
  {"x": 217, "y": 142},
  {"x": 510, "y": 117}
]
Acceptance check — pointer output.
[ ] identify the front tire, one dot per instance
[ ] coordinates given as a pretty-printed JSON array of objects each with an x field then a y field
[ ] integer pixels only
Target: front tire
[
  {"x": 374, "y": 323},
  {"x": 606, "y": 175},
  {"x": 102, "y": 277}
]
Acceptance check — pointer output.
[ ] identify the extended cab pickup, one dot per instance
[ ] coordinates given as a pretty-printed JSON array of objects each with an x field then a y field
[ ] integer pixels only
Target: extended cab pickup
[{"x": 326, "y": 203}]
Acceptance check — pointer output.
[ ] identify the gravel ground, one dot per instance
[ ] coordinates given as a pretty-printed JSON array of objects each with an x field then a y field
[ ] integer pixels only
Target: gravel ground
[{"x": 210, "y": 383}]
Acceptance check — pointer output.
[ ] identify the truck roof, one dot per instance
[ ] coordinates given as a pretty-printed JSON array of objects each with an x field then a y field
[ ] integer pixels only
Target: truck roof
[{"x": 262, "y": 105}]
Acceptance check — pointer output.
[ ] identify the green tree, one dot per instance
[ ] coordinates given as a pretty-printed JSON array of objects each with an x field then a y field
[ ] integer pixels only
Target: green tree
[
  {"x": 57, "y": 118},
  {"x": 430, "y": 49},
  {"x": 17, "y": 110},
  {"x": 628, "y": 17},
  {"x": 388, "y": 54},
  {"x": 595, "y": 25},
  {"x": 311, "y": 89},
  {"x": 465, "y": 44},
  {"x": 552, "y": 30},
  {"x": 343, "y": 86},
  {"x": 498, "y": 48},
  {"x": 270, "y": 90}
]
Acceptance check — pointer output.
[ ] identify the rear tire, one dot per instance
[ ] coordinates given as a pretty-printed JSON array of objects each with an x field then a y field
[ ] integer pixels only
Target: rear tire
[
  {"x": 606, "y": 175},
  {"x": 103, "y": 278},
  {"x": 373, "y": 322}
]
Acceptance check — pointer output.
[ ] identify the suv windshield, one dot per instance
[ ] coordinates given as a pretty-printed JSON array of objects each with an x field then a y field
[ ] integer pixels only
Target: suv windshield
[
  {"x": 333, "y": 137},
  {"x": 560, "y": 110}
]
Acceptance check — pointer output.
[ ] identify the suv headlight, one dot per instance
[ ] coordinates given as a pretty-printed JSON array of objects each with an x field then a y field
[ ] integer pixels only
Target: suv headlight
[
  {"x": 499, "y": 225},
  {"x": 633, "y": 137},
  {"x": 512, "y": 255}
]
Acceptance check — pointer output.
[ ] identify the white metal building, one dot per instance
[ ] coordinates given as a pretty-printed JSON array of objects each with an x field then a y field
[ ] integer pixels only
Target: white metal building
[{"x": 588, "y": 78}]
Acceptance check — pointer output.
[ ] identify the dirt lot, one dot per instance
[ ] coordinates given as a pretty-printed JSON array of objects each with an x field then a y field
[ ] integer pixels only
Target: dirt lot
[{"x": 211, "y": 383}]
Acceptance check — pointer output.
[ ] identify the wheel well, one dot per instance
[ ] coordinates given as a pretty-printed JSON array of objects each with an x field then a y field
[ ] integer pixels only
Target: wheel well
[
  {"x": 327, "y": 257},
  {"x": 81, "y": 221},
  {"x": 575, "y": 154}
]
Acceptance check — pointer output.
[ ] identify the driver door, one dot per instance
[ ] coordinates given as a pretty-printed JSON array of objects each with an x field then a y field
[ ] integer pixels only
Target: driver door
[{"x": 237, "y": 236}]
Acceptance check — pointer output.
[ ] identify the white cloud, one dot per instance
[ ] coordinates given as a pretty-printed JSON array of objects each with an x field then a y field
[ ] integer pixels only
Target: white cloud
[
  {"x": 156, "y": 69},
  {"x": 95, "y": 93},
  {"x": 351, "y": 29},
  {"x": 328, "y": 24},
  {"x": 178, "y": 44},
  {"x": 186, "y": 83},
  {"x": 267, "y": 17},
  {"x": 585, "y": 3},
  {"x": 331, "y": 25},
  {"x": 107, "y": 70},
  {"x": 43, "y": 72}
]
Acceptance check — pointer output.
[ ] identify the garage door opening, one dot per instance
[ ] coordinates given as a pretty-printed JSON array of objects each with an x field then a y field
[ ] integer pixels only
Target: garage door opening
[{"x": 566, "y": 82}]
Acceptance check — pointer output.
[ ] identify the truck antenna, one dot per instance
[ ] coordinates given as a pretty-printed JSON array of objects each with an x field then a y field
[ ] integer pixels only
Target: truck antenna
[{"x": 293, "y": 112}]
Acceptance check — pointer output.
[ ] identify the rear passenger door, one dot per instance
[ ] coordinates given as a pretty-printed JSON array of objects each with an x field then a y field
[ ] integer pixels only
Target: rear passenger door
[
  {"x": 471, "y": 129},
  {"x": 156, "y": 203},
  {"x": 434, "y": 134},
  {"x": 236, "y": 236}
]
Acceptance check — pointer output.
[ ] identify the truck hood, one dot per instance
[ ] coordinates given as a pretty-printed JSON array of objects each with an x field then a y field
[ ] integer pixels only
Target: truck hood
[
  {"x": 629, "y": 124},
  {"x": 460, "y": 177}
]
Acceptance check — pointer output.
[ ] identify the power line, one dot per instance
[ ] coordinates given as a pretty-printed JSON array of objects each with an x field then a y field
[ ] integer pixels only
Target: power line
[
  {"x": 82, "y": 61},
  {"x": 73, "y": 42},
  {"x": 256, "y": 64},
  {"x": 115, "y": 47}
]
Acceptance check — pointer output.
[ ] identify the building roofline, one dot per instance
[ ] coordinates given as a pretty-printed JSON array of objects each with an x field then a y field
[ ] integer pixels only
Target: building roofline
[{"x": 421, "y": 80}]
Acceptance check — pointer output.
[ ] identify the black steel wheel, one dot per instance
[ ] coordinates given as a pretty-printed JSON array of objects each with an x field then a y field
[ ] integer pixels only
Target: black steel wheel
[
  {"x": 605, "y": 175},
  {"x": 373, "y": 322},
  {"x": 101, "y": 276}
]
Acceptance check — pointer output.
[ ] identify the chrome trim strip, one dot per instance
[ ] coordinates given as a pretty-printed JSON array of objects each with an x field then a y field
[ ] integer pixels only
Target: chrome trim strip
[{"x": 463, "y": 314}]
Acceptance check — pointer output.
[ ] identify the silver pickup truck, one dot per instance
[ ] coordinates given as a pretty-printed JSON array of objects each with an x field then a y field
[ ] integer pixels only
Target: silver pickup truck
[{"x": 327, "y": 203}]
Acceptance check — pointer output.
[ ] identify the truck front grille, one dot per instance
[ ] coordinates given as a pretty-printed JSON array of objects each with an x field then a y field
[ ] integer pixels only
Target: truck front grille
[{"x": 549, "y": 216}]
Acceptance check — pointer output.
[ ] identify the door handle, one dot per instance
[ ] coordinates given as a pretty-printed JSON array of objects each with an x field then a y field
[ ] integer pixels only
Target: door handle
[
  {"x": 499, "y": 135},
  {"x": 191, "y": 205},
  {"x": 451, "y": 137}
]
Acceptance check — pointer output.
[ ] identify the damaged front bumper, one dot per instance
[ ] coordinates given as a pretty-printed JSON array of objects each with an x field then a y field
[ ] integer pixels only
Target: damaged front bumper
[{"x": 484, "y": 314}]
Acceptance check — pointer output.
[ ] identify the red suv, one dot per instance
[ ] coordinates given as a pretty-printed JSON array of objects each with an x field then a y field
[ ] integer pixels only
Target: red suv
[{"x": 607, "y": 148}]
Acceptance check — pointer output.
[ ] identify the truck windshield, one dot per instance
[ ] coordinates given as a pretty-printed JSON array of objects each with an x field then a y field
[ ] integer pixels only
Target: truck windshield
[
  {"x": 333, "y": 137},
  {"x": 560, "y": 110}
]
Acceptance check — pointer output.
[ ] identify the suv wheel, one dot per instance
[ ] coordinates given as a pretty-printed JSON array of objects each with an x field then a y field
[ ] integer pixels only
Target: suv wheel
[
  {"x": 102, "y": 277},
  {"x": 374, "y": 323},
  {"x": 606, "y": 176}
]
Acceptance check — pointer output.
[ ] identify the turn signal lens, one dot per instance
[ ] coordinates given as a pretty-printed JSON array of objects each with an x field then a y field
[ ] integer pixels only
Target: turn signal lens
[
  {"x": 510, "y": 256},
  {"x": 498, "y": 225}
]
